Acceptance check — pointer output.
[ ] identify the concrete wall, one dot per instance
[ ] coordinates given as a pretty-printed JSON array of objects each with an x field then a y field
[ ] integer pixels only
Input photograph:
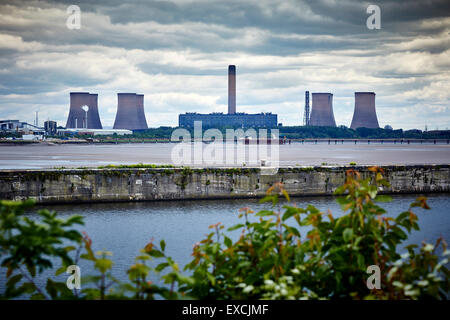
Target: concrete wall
[{"x": 98, "y": 185}]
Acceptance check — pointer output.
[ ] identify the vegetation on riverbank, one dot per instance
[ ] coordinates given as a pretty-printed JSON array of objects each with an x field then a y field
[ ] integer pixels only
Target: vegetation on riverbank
[
  {"x": 274, "y": 258},
  {"x": 163, "y": 134},
  {"x": 301, "y": 132},
  {"x": 136, "y": 166}
]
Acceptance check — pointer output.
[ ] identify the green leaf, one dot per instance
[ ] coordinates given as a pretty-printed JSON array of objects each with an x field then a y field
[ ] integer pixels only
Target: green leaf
[
  {"x": 227, "y": 242},
  {"x": 37, "y": 296},
  {"x": 290, "y": 211},
  {"x": 103, "y": 264},
  {"x": 156, "y": 254},
  {"x": 60, "y": 270},
  {"x": 161, "y": 266},
  {"x": 347, "y": 234},
  {"x": 237, "y": 226},
  {"x": 372, "y": 191},
  {"x": 264, "y": 213},
  {"x": 163, "y": 245},
  {"x": 383, "y": 198},
  {"x": 69, "y": 248},
  {"x": 14, "y": 280}
]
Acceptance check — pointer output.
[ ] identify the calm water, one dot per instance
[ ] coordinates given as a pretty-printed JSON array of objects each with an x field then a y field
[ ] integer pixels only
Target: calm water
[{"x": 125, "y": 228}]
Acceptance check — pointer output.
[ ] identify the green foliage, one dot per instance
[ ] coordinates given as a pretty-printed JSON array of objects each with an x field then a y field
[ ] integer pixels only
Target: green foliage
[
  {"x": 285, "y": 252},
  {"x": 136, "y": 166},
  {"x": 27, "y": 246},
  {"x": 290, "y": 132}
]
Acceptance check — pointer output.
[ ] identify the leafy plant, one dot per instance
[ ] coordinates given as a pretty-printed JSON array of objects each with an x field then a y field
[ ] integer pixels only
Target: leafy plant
[
  {"x": 27, "y": 247},
  {"x": 285, "y": 252}
]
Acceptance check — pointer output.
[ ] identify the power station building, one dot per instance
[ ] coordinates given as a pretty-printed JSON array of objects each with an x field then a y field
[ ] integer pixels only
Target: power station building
[
  {"x": 219, "y": 119},
  {"x": 130, "y": 112},
  {"x": 83, "y": 112},
  {"x": 365, "y": 114},
  {"x": 322, "y": 110},
  {"x": 233, "y": 118}
]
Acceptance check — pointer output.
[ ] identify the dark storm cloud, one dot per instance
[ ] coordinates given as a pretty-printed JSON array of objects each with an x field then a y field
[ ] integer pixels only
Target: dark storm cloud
[{"x": 339, "y": 19}]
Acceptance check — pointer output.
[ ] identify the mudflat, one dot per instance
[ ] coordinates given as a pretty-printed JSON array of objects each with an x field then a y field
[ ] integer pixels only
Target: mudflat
[{"x": 39, "y": 156}]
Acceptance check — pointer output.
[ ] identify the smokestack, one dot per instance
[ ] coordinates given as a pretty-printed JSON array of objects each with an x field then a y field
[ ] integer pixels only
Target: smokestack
[
  {"x": 322, "y": 110},
  {"x": 128, "y": 114},
  {"x": 365, "y": 114},
  {"x": 306, "y": 114},
  {"x": 77, "y": 115},
  {"x": 231, "y": 89}
]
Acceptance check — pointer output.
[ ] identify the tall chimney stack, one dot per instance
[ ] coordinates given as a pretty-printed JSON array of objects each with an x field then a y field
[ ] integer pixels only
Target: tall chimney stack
[{"x": 231, "y": 89}]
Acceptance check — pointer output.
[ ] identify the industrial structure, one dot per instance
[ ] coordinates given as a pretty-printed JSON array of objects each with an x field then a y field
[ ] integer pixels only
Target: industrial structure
[
  {"x": 50, "y": 127},
  {"x": 83, "y": 111},
  {"x": 16, "y": 126},
  {"x": 218, "y": 119},
  {"x": 365, "y": 114},
  {"x": 231, "y": 89},
  {"x": 130, "y": 112},
  {"x": 306, "y": 121},
  {"x": 322, "y": 110},
  {"x": 233, "y": 118}
]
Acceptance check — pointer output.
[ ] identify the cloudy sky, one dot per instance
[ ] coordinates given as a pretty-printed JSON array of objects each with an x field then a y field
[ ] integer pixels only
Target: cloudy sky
[{"x": 177, "y": 52}]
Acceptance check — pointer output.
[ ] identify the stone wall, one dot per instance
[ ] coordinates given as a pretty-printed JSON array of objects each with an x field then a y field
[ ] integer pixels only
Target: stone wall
[{"x": 102, "y": 185}]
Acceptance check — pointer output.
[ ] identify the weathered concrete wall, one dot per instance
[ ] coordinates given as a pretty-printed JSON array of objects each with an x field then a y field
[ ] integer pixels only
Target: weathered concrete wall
[{"x": 98, "y": 185}]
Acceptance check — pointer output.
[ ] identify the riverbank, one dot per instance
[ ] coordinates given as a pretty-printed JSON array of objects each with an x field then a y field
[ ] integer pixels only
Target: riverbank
[{"x": 135, "y": 184}]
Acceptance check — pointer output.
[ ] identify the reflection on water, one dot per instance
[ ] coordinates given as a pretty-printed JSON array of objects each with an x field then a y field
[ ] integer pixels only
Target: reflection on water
[{"x": 125, "y": 228}]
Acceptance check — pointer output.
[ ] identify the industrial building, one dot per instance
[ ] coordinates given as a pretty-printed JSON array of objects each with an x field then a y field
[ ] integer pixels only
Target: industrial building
[
  {"x": 219, "y": 119},
  {"x": 130, "y": 112},
  {"x": 322, "y": 110},
  {"x": 83, "y": 111},
  {"x": 12, "y": 125},
  {"x": 50, "y": 127},
  {"x": 20, "y": 127},
  {"x": 365, "y": 114},
  {"x": 233, "y": 118}
]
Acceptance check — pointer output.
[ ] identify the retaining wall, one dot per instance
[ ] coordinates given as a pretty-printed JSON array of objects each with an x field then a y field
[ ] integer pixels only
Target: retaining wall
[{"x": 105, "y": 185}]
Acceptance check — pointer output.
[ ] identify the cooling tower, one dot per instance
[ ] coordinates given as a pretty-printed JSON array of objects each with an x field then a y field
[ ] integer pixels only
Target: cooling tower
[
  {"x": 322, "y": 110},
  {"x": 93, "y": 117},
  {"x": 364, "y": 114},
  {"x": 128, "y": 114},
  {"x": 77, "y": 116},
  {"x": 141, "y": 113},
  {"x": 231, "y": 89}
]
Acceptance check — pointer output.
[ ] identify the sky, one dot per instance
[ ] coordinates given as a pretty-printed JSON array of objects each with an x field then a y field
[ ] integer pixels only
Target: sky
[{"x": 177, "y": 54}]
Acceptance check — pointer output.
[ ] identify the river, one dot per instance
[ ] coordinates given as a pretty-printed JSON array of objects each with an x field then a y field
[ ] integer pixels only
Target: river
[
  {"x": 38, "y": 156},
  {"x": 125, "y": 228}
]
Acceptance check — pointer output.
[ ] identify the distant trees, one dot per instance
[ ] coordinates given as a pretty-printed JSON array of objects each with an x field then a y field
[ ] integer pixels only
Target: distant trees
[{"x": 302, "y": 132}]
